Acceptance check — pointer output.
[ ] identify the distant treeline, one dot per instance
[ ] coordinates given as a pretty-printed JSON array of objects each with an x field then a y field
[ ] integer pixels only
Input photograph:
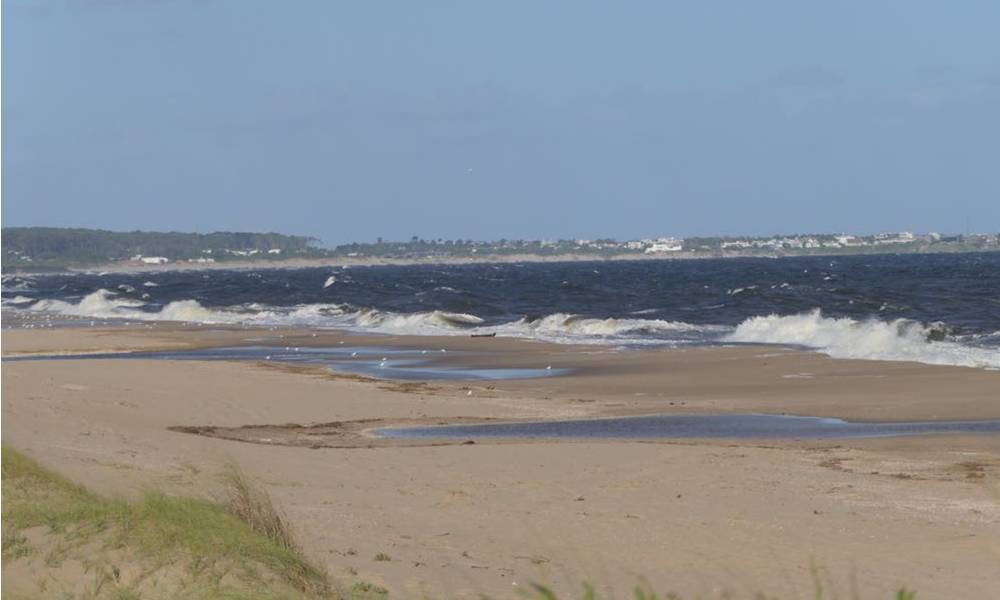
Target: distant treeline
[{"x": 25, "y": 246}]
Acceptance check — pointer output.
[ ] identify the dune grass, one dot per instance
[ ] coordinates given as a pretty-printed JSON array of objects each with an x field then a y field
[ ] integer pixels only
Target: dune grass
[
  {"x": 158, "y": 546},
  {"x": 254, "y": 507}
]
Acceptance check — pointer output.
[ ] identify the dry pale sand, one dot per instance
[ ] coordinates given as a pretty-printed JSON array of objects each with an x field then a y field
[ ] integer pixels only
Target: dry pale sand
[{"x": 459, "y": 520}]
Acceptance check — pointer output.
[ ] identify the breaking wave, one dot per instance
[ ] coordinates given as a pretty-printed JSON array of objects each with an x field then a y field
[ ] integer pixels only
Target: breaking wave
[
  {"x": 871, "y": 339},
  {"x": 432, "y": 322},
  {"x": 104, "y": 304},
  {"x": 567, "y": 328},
  {"x": 17, "y": 301},
  {"x": 559, "y": 327}
]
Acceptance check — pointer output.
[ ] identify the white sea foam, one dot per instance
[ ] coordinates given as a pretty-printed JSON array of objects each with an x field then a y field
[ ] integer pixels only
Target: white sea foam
[
  {"x": 307, "y": 314},
  {"x": 432, "y": 322},
  {"x": 17, "y": 301},
  {"x": 740, "y": 290},
  {"x": 900, "y": 339},
  {"x": 568, "y": 329},
  {"x": 190, "y": 310}
]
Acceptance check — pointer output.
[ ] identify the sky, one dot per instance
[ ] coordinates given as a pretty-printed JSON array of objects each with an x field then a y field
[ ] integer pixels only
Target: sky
[{"x": 355, "y": 120}]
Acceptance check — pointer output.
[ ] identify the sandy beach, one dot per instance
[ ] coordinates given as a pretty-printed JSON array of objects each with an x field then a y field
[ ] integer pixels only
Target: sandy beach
[{"x": 458, "y": 519}]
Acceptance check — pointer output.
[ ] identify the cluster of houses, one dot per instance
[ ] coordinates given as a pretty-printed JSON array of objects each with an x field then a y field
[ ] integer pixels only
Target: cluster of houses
[
  {"x": 649, "y": 246},
  {"x": 162, "y": 260},
  {"x": 799, "y": 242},
  {"x": 670, "y": 244},
  {"x": 253, "y": 252},
  {"x": 832, "y": 242},
  {"x": 666, "y": 245},
  {"x": 660, "y": 245}
]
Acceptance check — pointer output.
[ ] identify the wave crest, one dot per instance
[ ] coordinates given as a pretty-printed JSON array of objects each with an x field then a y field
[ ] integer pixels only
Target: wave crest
[
  {"x": 423, "y": 322},
  {"x": 104, "y": 304},
  {"x": 562, "y": 324},
  {"x": 872, "y": 339}
]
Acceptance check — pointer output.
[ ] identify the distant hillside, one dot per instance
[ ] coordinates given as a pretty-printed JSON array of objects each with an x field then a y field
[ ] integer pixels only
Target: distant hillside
[{"x": 51, "y": 247}]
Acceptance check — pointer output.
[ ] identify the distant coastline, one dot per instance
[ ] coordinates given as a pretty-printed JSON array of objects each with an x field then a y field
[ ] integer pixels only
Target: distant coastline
[
  {"x": 306, "y": 263},
  {"x": 43, "y": 249}
]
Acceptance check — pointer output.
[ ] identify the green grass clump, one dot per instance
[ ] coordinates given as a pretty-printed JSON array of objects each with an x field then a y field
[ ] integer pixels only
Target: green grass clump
[
  {"x": 363, "y": 590},
  {"x": 202, "y": 548}
]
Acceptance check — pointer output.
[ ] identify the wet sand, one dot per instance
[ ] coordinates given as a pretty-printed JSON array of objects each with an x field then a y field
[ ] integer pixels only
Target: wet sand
[{"x": 693, "y": 516}]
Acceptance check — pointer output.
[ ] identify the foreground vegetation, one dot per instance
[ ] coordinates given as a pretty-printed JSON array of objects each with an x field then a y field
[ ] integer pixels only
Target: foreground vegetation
[{"x": 61, "y": 540}]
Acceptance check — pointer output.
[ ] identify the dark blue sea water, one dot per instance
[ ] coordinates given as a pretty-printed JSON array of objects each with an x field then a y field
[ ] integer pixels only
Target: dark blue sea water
[{"x": 931, "y": 308}]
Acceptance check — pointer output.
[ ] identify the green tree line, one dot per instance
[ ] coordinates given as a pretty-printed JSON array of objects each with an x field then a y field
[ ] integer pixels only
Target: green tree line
[{"x": 74, "y": 246}]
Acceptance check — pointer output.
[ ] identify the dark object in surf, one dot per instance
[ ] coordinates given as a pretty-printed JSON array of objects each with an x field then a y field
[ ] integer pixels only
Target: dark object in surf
[
  {"x": 938, "y": 332},
  {"x": 494, "y": 334}
]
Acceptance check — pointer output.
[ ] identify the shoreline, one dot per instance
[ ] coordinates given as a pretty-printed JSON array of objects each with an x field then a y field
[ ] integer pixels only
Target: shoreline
[{"x": 601, "y": 381}]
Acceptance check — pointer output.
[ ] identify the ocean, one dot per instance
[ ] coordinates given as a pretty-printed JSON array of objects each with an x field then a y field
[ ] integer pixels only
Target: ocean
[{"x": 936, "y": 308}]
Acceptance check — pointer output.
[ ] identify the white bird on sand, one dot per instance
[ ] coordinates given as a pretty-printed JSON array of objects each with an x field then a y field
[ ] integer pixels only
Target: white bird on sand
[{"x": 548, "y": 368}]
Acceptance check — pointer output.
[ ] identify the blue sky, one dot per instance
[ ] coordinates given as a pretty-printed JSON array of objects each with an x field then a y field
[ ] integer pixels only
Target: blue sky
[{"x": 352, "y": 120}]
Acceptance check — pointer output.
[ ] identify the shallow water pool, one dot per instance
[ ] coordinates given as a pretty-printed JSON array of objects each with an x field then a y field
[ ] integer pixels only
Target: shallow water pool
[{"x": 698, "y": 426}]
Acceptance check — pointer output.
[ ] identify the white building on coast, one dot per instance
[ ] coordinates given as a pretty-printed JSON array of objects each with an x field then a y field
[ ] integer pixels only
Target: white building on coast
[
  {"x": 150, "y": 260},
  {"x": 665, "y": 245}
]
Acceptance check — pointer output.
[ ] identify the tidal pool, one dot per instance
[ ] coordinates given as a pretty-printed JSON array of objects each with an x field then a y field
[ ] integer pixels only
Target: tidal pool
[
  {"x": 697, "y": 426},
  {"x": 382, "y": 362}
]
